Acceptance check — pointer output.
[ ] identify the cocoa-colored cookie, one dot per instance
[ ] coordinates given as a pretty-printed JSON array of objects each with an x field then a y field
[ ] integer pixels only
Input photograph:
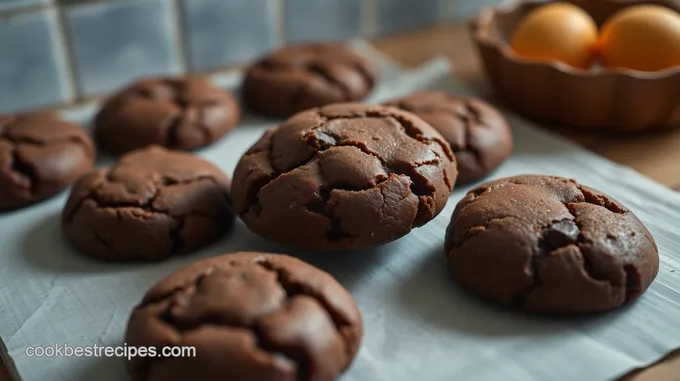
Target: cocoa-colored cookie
[
  {"x": 299, "y": 77},
  {"x": 344, "y": 176},
  {"x": 549, "y": 244},
  {"x": 251, "y": 317},
  {"x": 40, "y": 156},
  {"x": 151, "y": 204},
  {"x": 478, "y": 133},
  {"x": 176, "y": 113}
]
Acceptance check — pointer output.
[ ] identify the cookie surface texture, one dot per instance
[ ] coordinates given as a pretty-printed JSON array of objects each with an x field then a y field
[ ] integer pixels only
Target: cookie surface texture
[
  {"x": 549, "y": 244},
  {"x": 478, "y": 133},
  {"x": 151, "y": 204},
  {"x": 299, "y": 77},
  {"x": 343, "y": 177},
  {"x": 40, "y": 156},
  {"x": 176, "y": 113},
  {"x": 250, "y": 317}
]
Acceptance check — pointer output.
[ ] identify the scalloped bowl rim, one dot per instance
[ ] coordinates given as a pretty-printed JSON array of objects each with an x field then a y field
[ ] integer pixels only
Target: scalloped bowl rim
[{"x": 486, "y": 17}]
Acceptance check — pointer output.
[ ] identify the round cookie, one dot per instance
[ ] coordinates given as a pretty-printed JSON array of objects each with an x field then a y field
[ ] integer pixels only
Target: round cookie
[
  {"x": 344, "y": 176},
  {"x": 478, "y": 133},
  {"x": 251, "y": 317},
  {"x": 151, "y": 204},
  {"x": 300, "y": 77},
  {"x": 40, "y": 156},
  {"x": 549, "y": 244},
  {"x": 176, "y": 113}
]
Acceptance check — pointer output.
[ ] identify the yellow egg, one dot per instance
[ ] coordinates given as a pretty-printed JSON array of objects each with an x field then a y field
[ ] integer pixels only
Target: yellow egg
[
  {"x": 557, "y": 32},
  {"x": 641, "y": 37}
]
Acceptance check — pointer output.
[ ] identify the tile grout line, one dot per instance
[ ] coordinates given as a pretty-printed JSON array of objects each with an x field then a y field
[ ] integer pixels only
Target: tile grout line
[
  {"x": 68, "y": 55},
  {"x": 278, "y": 18},
  {"x": 369, "y": 22},
  {"x": 180, "y": 39}
]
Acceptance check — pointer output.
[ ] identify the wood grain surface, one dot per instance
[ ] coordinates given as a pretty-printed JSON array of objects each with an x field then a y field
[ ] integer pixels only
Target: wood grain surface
[{"x": 656, "y": 155}]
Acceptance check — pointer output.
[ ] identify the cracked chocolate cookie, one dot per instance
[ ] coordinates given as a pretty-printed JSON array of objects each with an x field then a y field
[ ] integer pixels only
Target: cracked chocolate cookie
[
  {"x": 478, "y": 133},
  {"x": 299, "y": 77},
  {"x": 40, "y": 156},
  {"x": 251, "y": 317},
  {"x": 549, "y": 244},
  {"x": 151, "y": 204},
  {"x": 344, "y": 176},
  {"x": 176, "y": 113}
]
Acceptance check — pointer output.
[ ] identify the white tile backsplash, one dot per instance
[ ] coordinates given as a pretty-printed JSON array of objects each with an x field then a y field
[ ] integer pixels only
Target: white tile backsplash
[
  {"x": 117, "y": 42},
  {"x": 31, "y": 72},
  {"x": 112, "y": 42}
]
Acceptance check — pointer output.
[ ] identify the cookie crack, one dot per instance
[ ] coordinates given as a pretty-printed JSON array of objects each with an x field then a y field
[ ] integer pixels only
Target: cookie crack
[
  {"x": 574, "y": 238},
  {"x": 408, "y": 128},
  {"x": 316, "y": 69},
  {"x": 89, "y": 196},
  {"x": 555, "y": 236},
  {"x": 471, "y": 119},
  {"x": 183, "y": 104},
  {"x": 172, "y": 129},
  {"x": 24, "y": 169},
  {"x": 175, "y": 232},
  {"x": 147, "y": 205},
  {"x": 419, "y": 184},
  {"x": 479, "y": 191},
  {"x": 601, "y": 200},
  {"x": 290, "y": 287},
  {"x": 368, "y": 77},
  {"x": 587, "y": 262},
  {"x": 336, "y": 231},
  {"x": 205, "y": 131},
  {"x": 476, "y": 230},
  {"x": 312, "y": 68},
  {"x": 179, "y": 327},
  {"x": 147, "y": 301},
  {"x": 293, "y": 288},
  {"x": 416, "y": 134}
]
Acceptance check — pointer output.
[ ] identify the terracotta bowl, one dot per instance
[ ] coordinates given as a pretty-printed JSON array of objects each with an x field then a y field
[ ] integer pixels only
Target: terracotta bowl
[{"x": 552, "y": 92}]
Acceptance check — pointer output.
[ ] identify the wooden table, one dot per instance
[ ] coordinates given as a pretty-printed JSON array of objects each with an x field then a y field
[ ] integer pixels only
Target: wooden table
[{"x": 656, "y": 156}]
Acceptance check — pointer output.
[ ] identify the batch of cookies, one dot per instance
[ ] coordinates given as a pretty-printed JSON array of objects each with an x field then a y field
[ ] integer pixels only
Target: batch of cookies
[{"x": 336, "y": 175}]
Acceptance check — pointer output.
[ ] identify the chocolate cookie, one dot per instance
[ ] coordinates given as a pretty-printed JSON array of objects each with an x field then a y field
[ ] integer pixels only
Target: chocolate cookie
[
  {"x": 478, "y": 133},
  {"x": 151, "y": 204},
  {"x": 549, "y": 244},
  {"x": 251, "y": 317},
  {"x": 344, "y": 176},
  {"x": 304, "y": 76},
  {"x": 177, "y": 113},
  {"x": 40, "y": 156}
]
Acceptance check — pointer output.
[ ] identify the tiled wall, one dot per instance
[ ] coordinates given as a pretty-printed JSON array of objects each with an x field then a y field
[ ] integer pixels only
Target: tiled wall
[{"x": 57, "y": 51}]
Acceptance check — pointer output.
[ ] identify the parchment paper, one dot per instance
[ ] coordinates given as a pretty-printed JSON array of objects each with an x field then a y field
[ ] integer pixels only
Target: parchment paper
[{"x": 419, "y": 325}]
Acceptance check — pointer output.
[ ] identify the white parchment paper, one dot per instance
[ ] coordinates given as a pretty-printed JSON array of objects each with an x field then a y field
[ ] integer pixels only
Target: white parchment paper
[{"x": 419, "y": 325}]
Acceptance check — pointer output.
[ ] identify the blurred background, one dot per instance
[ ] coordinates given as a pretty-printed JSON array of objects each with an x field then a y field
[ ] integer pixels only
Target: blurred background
[{"x": 57, "y": 51}]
